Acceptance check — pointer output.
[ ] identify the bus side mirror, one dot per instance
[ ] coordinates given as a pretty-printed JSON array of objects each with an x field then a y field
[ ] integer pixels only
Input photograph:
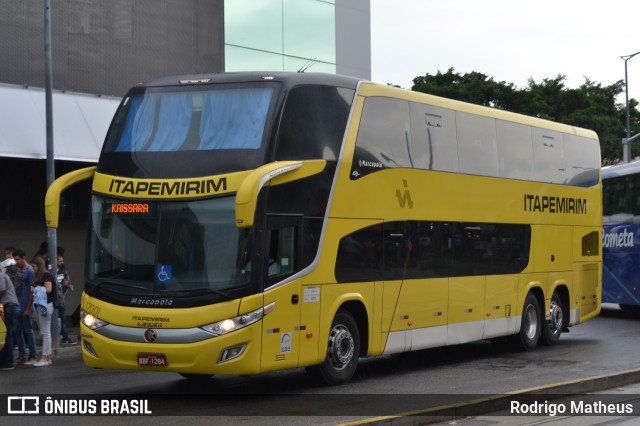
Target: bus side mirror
[
  {"x": 272, "y": 174},
  {"x": 52, "y": 199}
]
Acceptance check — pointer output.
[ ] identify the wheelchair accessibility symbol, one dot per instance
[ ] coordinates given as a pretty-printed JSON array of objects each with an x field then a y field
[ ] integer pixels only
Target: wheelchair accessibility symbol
[{"x": 164, "y": 273}]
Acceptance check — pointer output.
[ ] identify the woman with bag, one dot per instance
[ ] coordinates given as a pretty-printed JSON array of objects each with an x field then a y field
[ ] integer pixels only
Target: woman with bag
[{"x": 42, "y": 314}]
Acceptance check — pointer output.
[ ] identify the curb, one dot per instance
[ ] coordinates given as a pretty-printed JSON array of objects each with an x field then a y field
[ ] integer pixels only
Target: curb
[{"x": 494, "y": 403}]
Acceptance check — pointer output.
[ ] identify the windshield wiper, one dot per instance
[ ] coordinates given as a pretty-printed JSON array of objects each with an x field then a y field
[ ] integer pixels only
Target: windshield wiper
[
  {"x": 109, "y": 283},
  {"x": 199, "y": 292}
]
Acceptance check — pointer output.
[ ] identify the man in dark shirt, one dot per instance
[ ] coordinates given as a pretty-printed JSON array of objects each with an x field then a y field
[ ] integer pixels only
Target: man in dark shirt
[{"x": 24, "y": 330}]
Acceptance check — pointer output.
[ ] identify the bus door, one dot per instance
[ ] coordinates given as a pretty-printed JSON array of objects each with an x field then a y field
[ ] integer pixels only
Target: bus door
[
  {"x": 281, "y": 257},
  {"x": 467, "y": 283}
]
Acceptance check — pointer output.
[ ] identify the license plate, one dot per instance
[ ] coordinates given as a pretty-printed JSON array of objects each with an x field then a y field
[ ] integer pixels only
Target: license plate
[{"x": 152, "y": 360}]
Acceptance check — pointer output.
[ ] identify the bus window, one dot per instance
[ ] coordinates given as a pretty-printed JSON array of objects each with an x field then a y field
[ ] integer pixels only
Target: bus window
[
  {"x": 548, "y": 156},
  {"x": 234, "y": 119},
  {"x": 282, "y": 247},
  {"x": 433, "y": 138},
  {"x": 384, "y": 137},
  {"x": 477, "y": 146},
  {"x": 617, "y": 199},
  {"x": 313, "y": 123},
  {"x": 580, "y": 152},
  {"x": 360, "y": 255},
  {"x": 635, "y": 198},
  {"x": 515, "y": 153}
]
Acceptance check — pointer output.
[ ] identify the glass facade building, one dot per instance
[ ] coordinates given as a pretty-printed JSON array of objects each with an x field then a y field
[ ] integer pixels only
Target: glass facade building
[
  {"x": 280, "y": 35},
  {"x": 104, "y": 48}
]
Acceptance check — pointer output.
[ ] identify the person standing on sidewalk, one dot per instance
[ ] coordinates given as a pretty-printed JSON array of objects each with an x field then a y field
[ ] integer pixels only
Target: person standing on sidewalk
[
  {"x": 43, "y": 307},
  {"x": 63, "y": 278},
  {"x": 10, "y": 314},
  {"x": 7, "y": 261},
  {"x": 25, "y": 277}
]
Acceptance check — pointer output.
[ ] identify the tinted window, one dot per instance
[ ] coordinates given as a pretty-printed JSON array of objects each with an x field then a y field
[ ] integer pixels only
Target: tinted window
[
  {"x": 477, "y": 145},
  {"x": 454, "y": 141},
  {"x": 548, "y": 156},
  {"x": 384, "y": 137},
  {"x": 310, "y": 202},
  {"x": 433, "y": 138},
  {"x": 515, "y": 153},
  {"x": 619, "y": 202},
  {"x": 360, "y": 256},
  {"x": 429, "y": 249},
  {"x": 582, "y": 160},
  {"x": 313, "y": 123}
]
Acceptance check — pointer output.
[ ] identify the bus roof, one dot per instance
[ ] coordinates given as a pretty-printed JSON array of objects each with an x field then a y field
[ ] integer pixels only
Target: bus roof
[
  {"x": 624, "y": 169},
  {"x": 290, "y": 79},
  {"x": 287, "y": 78}
]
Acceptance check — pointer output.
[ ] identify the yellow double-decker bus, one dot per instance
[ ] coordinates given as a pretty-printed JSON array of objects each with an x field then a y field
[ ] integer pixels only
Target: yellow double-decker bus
[{"x": 244, "y": 223}]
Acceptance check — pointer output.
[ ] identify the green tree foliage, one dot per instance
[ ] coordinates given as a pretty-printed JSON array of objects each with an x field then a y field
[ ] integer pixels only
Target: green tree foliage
[{"x": 591, "y": 105}]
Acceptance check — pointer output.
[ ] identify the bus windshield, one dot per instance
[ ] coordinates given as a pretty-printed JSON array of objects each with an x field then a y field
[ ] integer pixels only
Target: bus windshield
[
  {"x": 170, "y": 248},
  {"x": 216, "y": 129},
  {"x": 170, "y": 120}
]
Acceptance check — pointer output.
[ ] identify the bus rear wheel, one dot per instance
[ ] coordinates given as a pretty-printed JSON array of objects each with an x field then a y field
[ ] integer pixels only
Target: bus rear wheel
[
  {"x": 552, "y": 328},
  {"x": 529, "y": 334},
  {"x": 343, "y": 352}
]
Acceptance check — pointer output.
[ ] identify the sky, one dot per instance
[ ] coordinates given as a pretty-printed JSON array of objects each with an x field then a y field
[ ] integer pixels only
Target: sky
[{"x": 509, "y": 40}]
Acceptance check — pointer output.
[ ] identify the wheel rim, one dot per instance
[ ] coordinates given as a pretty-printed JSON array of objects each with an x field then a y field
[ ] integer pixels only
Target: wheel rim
[
  {"x": 531, "y": 323},
  {"x": 341, "y": 347},
  {"x": 556, "y": 317}
]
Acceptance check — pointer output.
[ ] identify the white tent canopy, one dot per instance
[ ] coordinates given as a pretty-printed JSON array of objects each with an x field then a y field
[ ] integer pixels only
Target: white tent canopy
[{"x": 80, "y": 123}]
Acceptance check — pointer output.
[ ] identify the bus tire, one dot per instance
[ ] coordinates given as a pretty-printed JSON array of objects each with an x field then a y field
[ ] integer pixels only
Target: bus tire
[
  {"x": 529, "y": 334},
  {"x": 343, "y": 352},
  {"x": 552, "y": 328}
]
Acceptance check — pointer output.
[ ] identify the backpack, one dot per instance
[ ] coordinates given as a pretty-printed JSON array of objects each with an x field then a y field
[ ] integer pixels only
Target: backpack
[
  {"x": 58, "y": 297},
  {"x": 15, "y": 276}
]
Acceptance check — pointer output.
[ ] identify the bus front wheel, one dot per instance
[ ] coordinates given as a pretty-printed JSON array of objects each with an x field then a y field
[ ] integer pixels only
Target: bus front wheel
[
  {"x": 343, "y": 352},
  {"x": 529, "y": 334},
  {"x": 552, "y": 328}
]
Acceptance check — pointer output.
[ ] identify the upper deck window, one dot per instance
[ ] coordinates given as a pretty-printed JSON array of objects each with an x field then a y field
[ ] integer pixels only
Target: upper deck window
[
  {"x": 169, "y": 120},
  {"x": 396, "y": 133}
]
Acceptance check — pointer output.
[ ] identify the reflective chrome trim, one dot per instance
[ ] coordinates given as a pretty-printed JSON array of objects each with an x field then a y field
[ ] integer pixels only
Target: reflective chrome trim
[{"x": 163, "y": 335}]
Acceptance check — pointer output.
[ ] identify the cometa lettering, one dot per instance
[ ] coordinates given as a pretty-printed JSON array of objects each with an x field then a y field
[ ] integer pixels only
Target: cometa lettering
[
  {"x": 617, "y": 239},
  {"x": 546, "y": 204},
  {"x": 162, "y": 188}
]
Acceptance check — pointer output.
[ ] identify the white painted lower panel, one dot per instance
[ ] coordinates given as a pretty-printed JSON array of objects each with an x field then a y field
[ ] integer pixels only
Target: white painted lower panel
[
  {"x": 501, "y": 327},
  {"x": 453, "y": 334},
  {"x": 574, "y": 317},
  {"x": 465, "y": 332},
  {"x": 397, "y": 342},
  {"x": 430, "y": 337}
]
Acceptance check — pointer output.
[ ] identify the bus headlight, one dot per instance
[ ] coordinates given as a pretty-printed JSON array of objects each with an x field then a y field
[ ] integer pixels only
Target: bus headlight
[
  {"x": 91, "y": 321},
  {"x": 236, "y": 323}
]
